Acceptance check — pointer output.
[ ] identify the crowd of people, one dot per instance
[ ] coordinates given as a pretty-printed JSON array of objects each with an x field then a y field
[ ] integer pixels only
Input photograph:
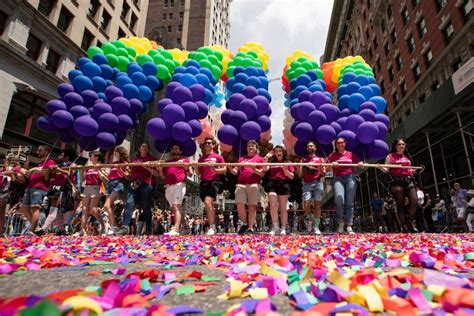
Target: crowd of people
[{"x": 57, "y": 195}]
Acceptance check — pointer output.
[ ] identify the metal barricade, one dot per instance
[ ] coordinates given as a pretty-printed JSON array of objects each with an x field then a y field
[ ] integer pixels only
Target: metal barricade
[{"x": 15, "y": 224}]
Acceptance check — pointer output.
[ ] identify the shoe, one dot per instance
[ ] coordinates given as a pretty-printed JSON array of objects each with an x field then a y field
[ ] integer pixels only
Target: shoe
[
  {"x": 39, "y": 232},
  {"x": 80, "y": 233},
  {"x": 211, "y": 231},
  {"x": 275, "y": 231},
  {"x": 316, "y": 231},
  {"x": 124, "y": 230},
  {"x": 243, "y": 229},
  {"x": 380, "y": 229},
  {"x": 350, "y": 231},
  {"x": 250, "y": 231},
  {"x": 340, "y": 228},
  {"x": 283, "y": 232},
  {"x": 112, "y": 231},
  {"x": 172, "y": 232},
  {"x": 412, "y": 227}
]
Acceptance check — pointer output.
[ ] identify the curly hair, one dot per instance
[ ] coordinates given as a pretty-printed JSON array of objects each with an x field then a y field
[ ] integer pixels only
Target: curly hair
[
  {"x": 274, "y": 158},
  {"x": 123, "y": 154}
]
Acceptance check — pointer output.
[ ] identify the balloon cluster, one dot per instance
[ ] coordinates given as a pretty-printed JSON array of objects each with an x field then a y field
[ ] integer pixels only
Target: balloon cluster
[
  {"x": 248, "y": 107},
  {"x": 298, "y": 64},
  {"x": 226, "y": 57},
  {"x": 334, "y": 70},
  {"x": 258, "y": 50},
  {"x": 243, "y": 60}
]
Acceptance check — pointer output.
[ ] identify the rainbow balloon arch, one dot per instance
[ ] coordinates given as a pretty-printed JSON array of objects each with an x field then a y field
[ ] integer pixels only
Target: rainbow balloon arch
[{"x": 110, "y": 89}]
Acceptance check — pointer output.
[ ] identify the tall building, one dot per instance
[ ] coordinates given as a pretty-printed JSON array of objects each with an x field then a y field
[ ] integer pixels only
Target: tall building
[
  {"x": 40, "y": 42},
  {"x": 188, "y": 24},
  {"x": 421, "y": 52}
]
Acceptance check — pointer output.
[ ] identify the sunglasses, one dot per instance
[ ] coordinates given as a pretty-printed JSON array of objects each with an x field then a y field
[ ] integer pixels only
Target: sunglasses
[
  {"x": 208, "y": 143},
  {"x": 401, "y": 144}
]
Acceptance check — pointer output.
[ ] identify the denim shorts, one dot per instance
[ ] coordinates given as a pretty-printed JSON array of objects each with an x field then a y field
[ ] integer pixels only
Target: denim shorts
[
  {"x": 115, "y": 186},
  {"x": 313, "y": 191},
  {"x": 34, "y": 197}
]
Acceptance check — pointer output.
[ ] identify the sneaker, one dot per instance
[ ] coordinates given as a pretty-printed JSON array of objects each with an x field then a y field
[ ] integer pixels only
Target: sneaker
[
  {"x": 317, "y": 231},
  {"x": 350, "y": 231},
  {"x": 80, "y": 233},
  {"x": 172, "y": 232},
  {"x": 211, "y": 231},
  {"x": 275, "y": 231},
  {"x": 39, "y": 232},
  {"x": 243, "y": 229},
  {"x": 283, "y": 232},
  {"x": 250, "y": 231},
  {"x": 112, "y": 231},
  {"x": 340, "y": 228},
  {"x": 380, "y": 229}
]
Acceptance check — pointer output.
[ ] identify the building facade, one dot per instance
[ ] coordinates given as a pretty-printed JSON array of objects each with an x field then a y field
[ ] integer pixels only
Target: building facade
[
  {"x": 41, "y": 41},
  {"x": 417, "y": 49}
]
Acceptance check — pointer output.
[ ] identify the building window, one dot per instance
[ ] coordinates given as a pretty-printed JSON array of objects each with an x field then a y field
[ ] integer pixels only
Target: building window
[
  {"x": 125, "y": 10},
  {"x": 46, "y": 6},
  {"x": 405, "y": 16},
  {"x": 403, "y": 88},
  {"x": 133, "y": 21},
  {"x": 466, "y": 9},
  {"x": 422, "y": 98},
  {"x": 421, "y": 26},
  {"x": 87, "y": 39},
  {"x": 435, "y": 86},
  {"x": 179, "y": 40},
  {"x": 391, "y": 75},
  {"x": 428, "y": 58},
  {"x": 3, "y": 21},
  {"x": 411, "y": 44},
  {"x": 382, "y": 87},
  {"x": 181, "y": 15},
  {"x": 166, "y": 3},
  {"x": 65, "y": 18},
  {"x": 121, "y": 33},
  {"x": 33, "y": 46},
  {"x": 180, "y": 28},
  {"x": 169, "y": 28},
  {"x": 448, "y": 32},
  {"x": 395, "y": 98},
  {"x": 105, "y": 21},
  {"x": 457, "y": 64},
  {"x": 389, "y": 11},
  {"x": 393, "y": 36},
  {"x": 52, "y": 61},
  {"x": 93, "y": 8},
  {"x": 415, "y": 3},
  {"x": 440, "y": 4},
  {"x": 382, "y": 25},
  {"x": 398, "y": 61},
  {"x": 416, "y": 72},
  {"x": 170, "y": 16},
  {"x": 182, "y": 3},
  {"x": 164, "y": 16},
  {"x": 375, "y": 43},
  {"x": 171, "y": 3},
  {"x": 386, "y": 50}
]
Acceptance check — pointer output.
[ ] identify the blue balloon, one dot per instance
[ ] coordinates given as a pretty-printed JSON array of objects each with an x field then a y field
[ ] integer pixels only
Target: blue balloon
[
  {"x": 153, "y": 83},
  {"x": 343, "y": 102},
  {"x": 367, "y": 92},
  {"x": 355, "y": 100},
  {"x": 230, "y": 84},
  {"x": 138, "y": 78},
  {"x": 107, "y": 71},
  {"x": 238, "y": 88},
  {"x": 101, "y": 95},
  {"x": 122, "y": 81},
  {"x": 254, "y": 82},
  {"x": 149, "y": 69},
  {"x": 193, "y": 63},
  {"x": 176, "y": 77},
  {"x": 376, "y": 89},
  {"x": 342, "y": 90},
  {"x": 82, "y": 83},
  {"x": 130, "y": 91},
  {"x": 192, "y": 70},
  {"x": 209, "y": 75},
  {"x": 188, "y": 79},
  {"x": 303, "y": 80},
  {"x": 371, "y": 80},
  {"x": 323, "y": 84},
  {"x": 352, "y": 87},
  {"x": 241, "y": 78},
  {"x": 362, "y": 80},
  {"x": 83, "y": 61},
  {"x": 264, "y": 93},
  {"x": 261, "y": 72},
  {"x": 180, "y": 70},
  {"x": 312, "y": 74},
  {"x": 73, "y": 74},
  {"x": 380, "y": 103},
  {"x": 116, "y": 72},
  {"x": 316, "y": 87},
  {"x": 348, "y": 77},
  {"x": 133, "y": 67},
  {"x": 99, "y": 84},
  {"x": 328, "y": 96},
  {"x": 264, "y": 82},
  {"x": 100, "y": 59},
  {"x": 208, "y": 97},
  {"x": 251, "y": 71},
  {"x": 145, "y": 94},
  {"x": 238, "y": 70},
  {"x": 203, "y": 79},
  {"x": 293, "y": 84}
]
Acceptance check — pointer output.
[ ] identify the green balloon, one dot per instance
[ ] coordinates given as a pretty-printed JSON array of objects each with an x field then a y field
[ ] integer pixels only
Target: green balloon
[
  {"x": 241, "y": 54},
  {"x": 94, "y": 50},
  {"x": 158, "y": 59},
  {"x": 319, "y": 73},
  {"x": 299, "y": 71},
  {"x": 359, "y": 71},
  {"x": 247, "y": 62},
  {"x": 166, "y": 54},
  {"x": 170, "y": 65},
  {"x": 163, "y": 72},
  {"x": 205, "y": 63},
  {"x": 252, "y": 53},
  {"x": 130, "y": 59},
  {"x": 152, "y": 52},
  {"x": 122, "y": 52},
  {"x": 119, "y": 44},
  {"x": 315, "y": 64},
  {"x": 131, "y": 51},
  {"x": 109, "y": 48},
  {"x": 216, "y": 72},
  {"x": 258, "y": 63},
  {"x": 307, "y": 65},
  {"x": 218, "y": 55},
  {"x": 112, "y": 60},
  {"x": 200, "y": 56},
  {"x": 205, "y": 50},
  {"x": 230, "y": 72},
  {"x": 123, "y": 63},
  {"x": 213, "y": 59},
  {"x": 176, "y": 63},
  {"x": 141, "y": 59}
]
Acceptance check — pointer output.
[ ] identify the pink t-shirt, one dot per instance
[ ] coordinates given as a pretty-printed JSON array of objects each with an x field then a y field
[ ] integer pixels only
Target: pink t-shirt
[
  {"x": 246, "y": 174},
  {"x": 141, "y": 172},
  {"x": 400, "y": 160},
  {"x": 175, "y": 175},
  {"x": 60, "y": 179},
  {"x": 208, "y": 173},
  {"x": 313, "y": 174},
  {"x": 277, "y": 173},
  {"x": 38, "y": 180},
  {"x": 92, "y": 177},
  {"x": 115, "y": 173},
  {"x": 347, "y": 158}
]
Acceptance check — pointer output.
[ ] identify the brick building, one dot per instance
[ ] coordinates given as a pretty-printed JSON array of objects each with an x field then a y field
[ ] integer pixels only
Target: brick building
[{"x": 418, "y": 49}]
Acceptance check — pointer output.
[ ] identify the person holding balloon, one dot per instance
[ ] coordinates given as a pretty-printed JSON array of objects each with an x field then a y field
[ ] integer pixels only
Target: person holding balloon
[
  {"x": 175, "y": 183},
  {"x": 278, "y": 188},
  {"x": 402, "y": 184},
  {"x": 247, "y": 190},
  {"x": 312, "y": 185},
  {"x": 344, "y": 184},
  {"x": 210, "y": 184}
]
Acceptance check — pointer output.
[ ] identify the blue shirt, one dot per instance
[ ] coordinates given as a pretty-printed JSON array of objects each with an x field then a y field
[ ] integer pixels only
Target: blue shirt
[{"x": 377, "y": 205}]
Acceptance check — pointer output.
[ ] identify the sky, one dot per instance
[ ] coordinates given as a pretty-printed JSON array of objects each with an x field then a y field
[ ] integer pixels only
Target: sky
[{"x": 281, "y": 26}]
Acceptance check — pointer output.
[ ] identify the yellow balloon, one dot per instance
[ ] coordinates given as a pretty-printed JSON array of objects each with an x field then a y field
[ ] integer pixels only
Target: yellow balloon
[{"x": 79, "y": 303}]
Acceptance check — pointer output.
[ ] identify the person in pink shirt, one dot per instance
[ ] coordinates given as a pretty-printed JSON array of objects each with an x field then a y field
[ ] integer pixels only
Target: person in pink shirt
[
  {"x": 344, "y": 184},
  {"x": 116, "y": 185},
  {"x": 247, "y": 190},
  {"x": 278, "y": 188},
  {"x": 37, "y": 188},
  {"x": 312, "y": 185},
  {"x": 211, "y": 183},
  {"x": 402, "y": 184},
  {"x": 175, "y": 183}
]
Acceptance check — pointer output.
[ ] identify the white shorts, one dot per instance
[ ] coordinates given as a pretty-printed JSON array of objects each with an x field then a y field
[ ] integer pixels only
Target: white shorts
[
  {"x": 460, "y": 211},
  {"x": 175, "y": 193},
  {"x": 92, "y": 191}
]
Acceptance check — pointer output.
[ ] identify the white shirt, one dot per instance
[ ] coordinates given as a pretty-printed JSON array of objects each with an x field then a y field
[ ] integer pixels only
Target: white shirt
[{"x": 421, "y": 197}]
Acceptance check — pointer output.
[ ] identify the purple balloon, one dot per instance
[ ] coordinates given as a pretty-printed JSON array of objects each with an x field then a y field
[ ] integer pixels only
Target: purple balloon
[
  {"x": 173, "y": 113},
  {"x": 55, "y": 105},
  {"x": 264, "y": 122},
  {"x": 353, "y": 122},
  {"x": 88, "y": 143},
  {"x": 158, "y": 129},
  {"x": 324, "y": 150},
  {"x": 188, "y": 147},
  {"x": 367, "y": 132},
  {"x": 108, "y": 122},
  {"x": 45, "y": 125},
  {"x": 325, "y": 134},
  {"x": 66, "y": 136},
  {"x": 191, "y": 110},
  {"x": 125, "y": 122},
  {"x": 62, "y": 119},
  {"x": 181, "y": 95},
  {"x": 163, "y": 146},
  {"x": 367, "y": 105},
  {"x": 304, "y": 109},
  {"x": 337, "y": 127},
  {"x": 300, "y": 148},
  {"x": 250, "y": 92},
  {"x": 198, "y": 92},
  {"x": 249, "y": 107},
  {"x": 170, "y": 88},
  {"x": 227, "y": 134},
  {"x": 316, "y": 119},
  {"x": 376, "y": 150},
  {"x": 136, "y": 106},
  {"x": 355, "y": 101},
  {"x": 262, "y": 104},
  {"x": 346, "y": 112},
  {"x": 237, "y": 119},
  {"x": 65, "y": 88},
  {"x": 72, "y": 98},
  {"x": 105, "y": 140},
  {"x": 78, "y": 111},
  {"x": 317, "y": 98},
  {"x": 181, "y": 131},
  {"x": 331, "y": 111},
  {"x": 101, "y": 108},
  {"x": 304, "y": 95},
  {"x": 89, "y": 97},
  {"x": 239, "y": 148},
  {"x": 203, "y": 109},
  {"x": 382, "y": 128},
  {"x": 351, "y": 139},
  {"x": 112, "y": 92},
  {"x": 196, "y": 128},
  {"x": 250, "y": 131},
  {"x": 234, "y": 101},
  {"x": 342, "y": 122},
  {"x": 225, "y": 117},
  {"x": 294, "y": 111},
  {"x": 367, "y": 115},
  {"x": 86, "y": 126},
  {"x": 303, "y": 131},
  {"x": 120, "y": 105},
  {"x": 380, "y": 117},
  {"x": 162, "y": 103}
]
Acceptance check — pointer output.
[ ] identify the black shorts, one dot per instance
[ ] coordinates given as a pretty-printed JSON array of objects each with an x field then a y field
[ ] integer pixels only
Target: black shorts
[
  {"x": 210, "y": 189},
  {"x": 405, "y": 182},
  {"x": 280, "y": 187}
]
